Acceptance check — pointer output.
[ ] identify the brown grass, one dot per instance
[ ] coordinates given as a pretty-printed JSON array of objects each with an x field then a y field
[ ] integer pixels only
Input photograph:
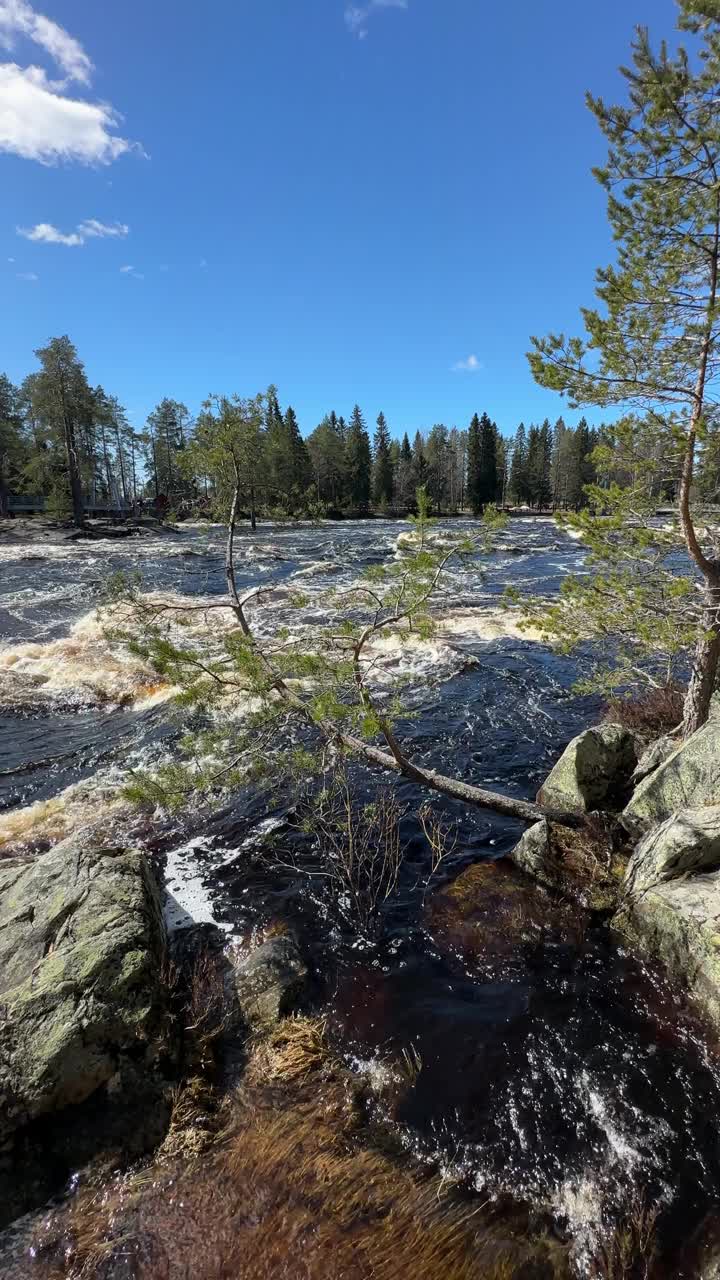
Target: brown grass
[
  {"x": 293, "y": 1050},
  {"x": 631, "y": 1250},
  {"x": 293, "y": 1192},
  {"x": 651, "y": 714}
]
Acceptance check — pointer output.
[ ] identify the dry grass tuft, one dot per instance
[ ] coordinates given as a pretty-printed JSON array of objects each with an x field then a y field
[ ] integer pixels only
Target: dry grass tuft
[
  {"x": 293, "y": 1050},
  {"x": 651, "y": 714}
]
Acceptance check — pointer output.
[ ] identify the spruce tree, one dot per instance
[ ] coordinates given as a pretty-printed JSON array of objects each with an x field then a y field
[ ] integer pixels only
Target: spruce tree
[
  {"x": 488, "y": 475},
  {"x": 419, "y": 462},
  {"x": 298, "y": 457},
  {"x": 382, "y": 464},
  {"x": 474, "y": 467},
  {"x": 518, "y": 483},
  {"x": 358, "y": 461},
  {"x": 13, "y": 448}
]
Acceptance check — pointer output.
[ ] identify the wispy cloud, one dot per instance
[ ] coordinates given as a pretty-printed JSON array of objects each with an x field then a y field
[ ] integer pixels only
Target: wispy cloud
[
  {"x": 29, "y": 276},
  {"x": 18, "y": 18},
  {"x": 132, "y": 273},
  {"x": 471, "y": 365},
  {"x": 91, "y": 229},
  {"x": 39, "y": 120},
  {"x": 357, "y": 16}
]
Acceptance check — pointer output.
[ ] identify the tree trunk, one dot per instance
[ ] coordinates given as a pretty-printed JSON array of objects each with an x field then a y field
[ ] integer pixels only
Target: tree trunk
[
  {"x": 253, "y": 515},
  {"x": 705, "y": 663},
  {"x": 74, "y": 474}
]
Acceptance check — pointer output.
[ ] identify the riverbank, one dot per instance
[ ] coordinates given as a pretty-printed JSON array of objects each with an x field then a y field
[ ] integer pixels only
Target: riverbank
[{"x": 496, "y": 1041}]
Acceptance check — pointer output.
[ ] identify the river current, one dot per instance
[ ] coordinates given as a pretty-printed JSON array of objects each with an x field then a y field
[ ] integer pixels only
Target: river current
[{"x": 564, "y": 1071}]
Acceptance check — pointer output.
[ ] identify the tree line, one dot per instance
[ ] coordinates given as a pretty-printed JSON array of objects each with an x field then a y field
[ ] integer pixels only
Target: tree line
[{"x": 71, "y": 444}]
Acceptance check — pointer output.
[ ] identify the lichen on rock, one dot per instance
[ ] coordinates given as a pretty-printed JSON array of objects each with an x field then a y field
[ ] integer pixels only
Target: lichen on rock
[{"x": 593, "y": 771}]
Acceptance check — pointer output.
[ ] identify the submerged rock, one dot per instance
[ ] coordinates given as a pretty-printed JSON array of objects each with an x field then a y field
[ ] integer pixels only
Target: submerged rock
[
  {"x": 593, "y": 771},
  {"x": 688, "y": 778},
  {"x": 270, "y": 981},
  {"x": 678, "y": 922},
  {"x": 81, "y": 949},
  {"x": 688, "y": 841}
]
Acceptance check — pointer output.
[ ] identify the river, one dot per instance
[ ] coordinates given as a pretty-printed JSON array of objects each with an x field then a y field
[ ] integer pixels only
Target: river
[{"x": 562, "y": 1072}]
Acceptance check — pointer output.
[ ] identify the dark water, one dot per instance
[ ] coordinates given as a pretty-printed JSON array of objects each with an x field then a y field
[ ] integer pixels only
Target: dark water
[{"x": 558, "y": 1069}]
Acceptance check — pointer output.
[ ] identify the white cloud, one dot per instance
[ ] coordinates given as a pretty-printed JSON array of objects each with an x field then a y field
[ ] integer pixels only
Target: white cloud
[
  {"x": 357, "y": 16},
  {"x": 39, "y": 120},
  {"x": 46, "y": 233},
  {"x": 125, "y": 270},
  {"x": 18, "y": 18},
  {"x": 39, "y": 123},
  {"x": 132, "y": 273},
  {"x": 91, "y": 228},
  {"x": 27, "y": 275},
  {"x": 471, "y": 365}
]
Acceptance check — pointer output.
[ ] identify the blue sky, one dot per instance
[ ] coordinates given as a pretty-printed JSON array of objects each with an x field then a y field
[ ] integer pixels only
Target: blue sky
[{"x": 349, "y": 200}]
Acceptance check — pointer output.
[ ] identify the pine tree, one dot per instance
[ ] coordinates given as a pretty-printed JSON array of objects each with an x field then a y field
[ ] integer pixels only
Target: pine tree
[
  {"x": 60, "y": 397},
  {"x": 654, "y": 348},
  {"x": 382, "y": 464}
]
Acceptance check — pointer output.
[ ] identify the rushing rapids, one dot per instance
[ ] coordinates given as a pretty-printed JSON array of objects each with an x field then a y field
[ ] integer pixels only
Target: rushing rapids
[{"x": 548, "y": 1065}]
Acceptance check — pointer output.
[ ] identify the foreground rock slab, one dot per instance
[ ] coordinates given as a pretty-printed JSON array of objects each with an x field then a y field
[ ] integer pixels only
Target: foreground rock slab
[
  {"x": 593, "y": 771},
  {"x": 81, "y": 951},
  {"x": 688, "y": 779},
  {"x": 688, "y": 841},
  {"x": 678, "y": 922}
]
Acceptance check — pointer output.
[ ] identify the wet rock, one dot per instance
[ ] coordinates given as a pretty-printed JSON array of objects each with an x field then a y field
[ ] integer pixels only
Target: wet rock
[
  {"x": 579, "y": 864},
  {"x": 271, "y": 981},
  {"x": 532, "y": 853},
  {"x": 686, "y": 842},
  {"x": 678, "y": 922},
  {"x": 688, "y": 779},
  {"x": 81, "y": 948},
  {"x": 593, "y": 771}
]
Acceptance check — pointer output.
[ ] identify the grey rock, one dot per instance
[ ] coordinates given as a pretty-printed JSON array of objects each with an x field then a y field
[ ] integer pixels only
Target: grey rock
[
  {"x": 270, "y": 981},
  {"x": 688, "y": 779},
  {"x": 653, "y": 756},
  {"x": 593, "y": 771},
  {"x": 678, "y": 922},
  {"x": 532, "y": 854},
  {"x": 688, "y": 841},
  {"x": 81, "y": 950}
]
